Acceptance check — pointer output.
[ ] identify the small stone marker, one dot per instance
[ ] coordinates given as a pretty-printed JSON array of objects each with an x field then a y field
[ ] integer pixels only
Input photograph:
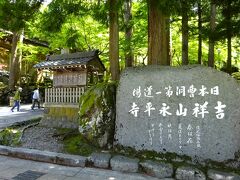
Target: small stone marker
[{"x": 190, "y": 110}]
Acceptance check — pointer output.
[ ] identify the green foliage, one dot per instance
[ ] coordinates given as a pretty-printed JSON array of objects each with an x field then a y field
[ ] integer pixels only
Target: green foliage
[
  {"x": 58, "y": 12},
  {"x": 77, "y": 144},
  {"x": 33, "y": 54},
  {"x": 99, "y": 11},
  {"x": 2, "y": 85},
  {"x": 15, "y": 14},
  {"x": 229, "y": 21},
  {"x": 236, "y": 75},
  {"x": 79, "y": 32},
  {"x": 3, "y": 81},
  {"x": 95, "y": 98},
  {"x": 10, "y": 137},
  {"x": 173, "y": 158},
  {"x": 2, "y": 34},
  {"x": 4, "y": 91},
  {"x": 139, "y": 39},
  {"x": 83, "y": 25},
  {"x": 232, "y": 70},
  {"x": 153, "y": 155}
]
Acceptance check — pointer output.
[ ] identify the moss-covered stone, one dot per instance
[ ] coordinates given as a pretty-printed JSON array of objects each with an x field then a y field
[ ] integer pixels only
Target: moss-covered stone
[
  {"x": 176, "y": 160},
  {"x": 63, "y": 111},
  {"x": 64, "y": 116},
  {"x": 97, "y": 114},
  {"x": 77, "y": 144}
]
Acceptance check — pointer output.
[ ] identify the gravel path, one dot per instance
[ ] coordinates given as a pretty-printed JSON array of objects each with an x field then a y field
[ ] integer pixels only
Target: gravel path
[{"x": 41, "y": 138}]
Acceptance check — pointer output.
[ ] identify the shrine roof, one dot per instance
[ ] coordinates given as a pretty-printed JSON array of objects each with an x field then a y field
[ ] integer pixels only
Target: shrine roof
[{"x": 71, "y": 61}]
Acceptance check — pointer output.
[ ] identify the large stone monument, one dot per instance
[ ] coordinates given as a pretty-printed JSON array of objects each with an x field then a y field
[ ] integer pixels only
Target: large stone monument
[{"x": 191, "y": 110}]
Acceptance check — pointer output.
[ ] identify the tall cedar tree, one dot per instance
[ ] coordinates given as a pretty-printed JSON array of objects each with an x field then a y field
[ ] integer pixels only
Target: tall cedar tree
[
  {"x": 158, "y": 35},
  {"x": 184, "y": 8},
  {"x": 228, "y": 17},
  {"x": 229, "y": 26},
  {"x": 199, "y": 4},
  {"x": 114, "y": 40},
  {"x": 128, "y": 33},
  {"x": 211, "y": 34}
]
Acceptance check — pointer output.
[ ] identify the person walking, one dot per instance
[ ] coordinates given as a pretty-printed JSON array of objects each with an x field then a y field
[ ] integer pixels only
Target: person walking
[
  {"x": 35, "y": 98},
  {"x": 17, "y": 99}
]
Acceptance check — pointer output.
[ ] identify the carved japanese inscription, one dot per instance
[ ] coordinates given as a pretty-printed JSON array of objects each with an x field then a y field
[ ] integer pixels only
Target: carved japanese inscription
[{"x": 190, "y": 111}]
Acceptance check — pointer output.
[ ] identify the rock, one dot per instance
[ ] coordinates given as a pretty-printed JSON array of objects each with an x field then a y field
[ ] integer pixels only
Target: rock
[
  {"x": 100, "y": 160},
  {"x": 160, "y": 170},
  {"x": 71, "y": 160},
  {"x": 46, "y": 110},
  {"x": 97, "y": 114},
  {"x": 218, "y": 175},
  {"x": 44, "y": 156},
  {"x": 233, "y": 164},
  {"x": 188, "y": 110},
  {"x": 125, "y": 164},
  {"x": 61, "y": 117},
  {"x": 189, "y": 173}
]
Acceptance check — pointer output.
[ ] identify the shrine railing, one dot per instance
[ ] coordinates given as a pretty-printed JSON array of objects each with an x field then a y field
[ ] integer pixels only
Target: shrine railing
[{"x": 66, "y": 95}]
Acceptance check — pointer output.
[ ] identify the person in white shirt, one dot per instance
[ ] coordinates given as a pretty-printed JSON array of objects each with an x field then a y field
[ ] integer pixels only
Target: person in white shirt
[{"x": 35, "y": 98}]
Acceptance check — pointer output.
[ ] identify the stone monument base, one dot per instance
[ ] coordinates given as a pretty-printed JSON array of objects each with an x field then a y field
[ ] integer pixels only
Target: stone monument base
[{"x": 61, "y": 116}]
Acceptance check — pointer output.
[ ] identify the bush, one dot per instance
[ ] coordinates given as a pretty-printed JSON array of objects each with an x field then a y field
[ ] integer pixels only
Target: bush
[
  {"x": 10, "y": 137},
  {"x": 233, "y": 69},
  {"x": 5, "y": 94},
  {"x": 236, "y": 75}
]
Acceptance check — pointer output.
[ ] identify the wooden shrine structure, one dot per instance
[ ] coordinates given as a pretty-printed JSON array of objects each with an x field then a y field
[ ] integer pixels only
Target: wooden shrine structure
[{"x": 72, "y": 75}]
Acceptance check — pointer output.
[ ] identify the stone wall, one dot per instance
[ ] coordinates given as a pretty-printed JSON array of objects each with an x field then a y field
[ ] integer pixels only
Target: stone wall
[
  {"x": 161, "y": 170},
  {"x": 63, "y": 116}
]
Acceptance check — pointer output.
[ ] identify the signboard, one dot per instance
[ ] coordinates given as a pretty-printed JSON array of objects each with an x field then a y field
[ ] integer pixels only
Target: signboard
[{"x": 70, "y": 79}]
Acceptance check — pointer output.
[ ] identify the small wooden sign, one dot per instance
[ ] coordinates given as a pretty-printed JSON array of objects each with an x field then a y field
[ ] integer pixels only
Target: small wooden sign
[{"x": 69, "y": 79}]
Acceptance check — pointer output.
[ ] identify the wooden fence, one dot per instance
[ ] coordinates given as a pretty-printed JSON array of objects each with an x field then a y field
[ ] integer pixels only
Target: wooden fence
[{"x": 69, "y": 95}]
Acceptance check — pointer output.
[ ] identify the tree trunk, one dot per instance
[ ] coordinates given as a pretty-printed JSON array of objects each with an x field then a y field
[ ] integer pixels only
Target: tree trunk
[
  {"x": 229, "y": 56},
  {"x": 128, "y": 33},
  {"x": 113, "y": 40},
  {"x": 19, "y": 56},
  {"x": 229, "y": 37},
  {"x": 185, "y": 60},
  {"x": 199, "y": 32},
  {"x": 169, "y": 43},
  {"x": 13, "y": 64},
  {"x": 158, "y": 36},
  {"x": 211, "y": 37}
]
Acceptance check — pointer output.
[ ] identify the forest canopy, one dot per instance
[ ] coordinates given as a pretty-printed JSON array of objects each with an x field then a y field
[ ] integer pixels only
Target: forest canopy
[{"x": 126, "y": 33}]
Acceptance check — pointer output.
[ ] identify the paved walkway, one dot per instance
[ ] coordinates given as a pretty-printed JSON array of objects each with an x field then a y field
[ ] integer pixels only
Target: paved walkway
[
  {"x": 19, "y": 169},
  {"x": 8, "y": 118}
]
